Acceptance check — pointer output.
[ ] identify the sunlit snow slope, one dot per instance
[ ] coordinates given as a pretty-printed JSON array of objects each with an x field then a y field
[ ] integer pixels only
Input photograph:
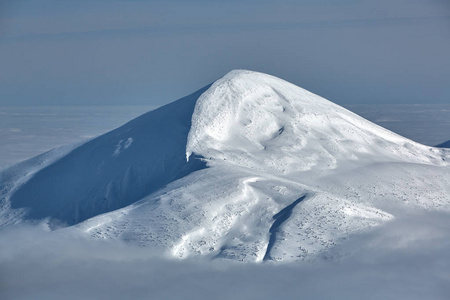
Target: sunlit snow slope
[{"x": 251, "y": 168}]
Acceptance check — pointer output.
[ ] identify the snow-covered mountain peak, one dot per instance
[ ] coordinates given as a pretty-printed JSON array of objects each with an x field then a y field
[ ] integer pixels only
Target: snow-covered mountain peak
[
  {"x": 265, "y": 123},
  {"x": 274, "y": 172}
]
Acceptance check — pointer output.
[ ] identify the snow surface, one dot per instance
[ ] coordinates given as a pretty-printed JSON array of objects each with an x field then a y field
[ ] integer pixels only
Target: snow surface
[
  {"x": 251, "y": 168},
  {"x": 113, "y": 170}
]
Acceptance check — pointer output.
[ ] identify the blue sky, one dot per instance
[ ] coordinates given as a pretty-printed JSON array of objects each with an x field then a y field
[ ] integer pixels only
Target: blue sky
[{"x": 153, "y": 52}]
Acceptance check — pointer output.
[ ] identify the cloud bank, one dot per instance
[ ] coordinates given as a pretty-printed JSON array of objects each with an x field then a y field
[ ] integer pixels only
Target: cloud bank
[{"x": 409, "y": 258}]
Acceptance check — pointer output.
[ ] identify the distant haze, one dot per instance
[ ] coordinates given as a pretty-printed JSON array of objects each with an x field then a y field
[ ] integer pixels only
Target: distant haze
[{"x": 153, "y": 52}]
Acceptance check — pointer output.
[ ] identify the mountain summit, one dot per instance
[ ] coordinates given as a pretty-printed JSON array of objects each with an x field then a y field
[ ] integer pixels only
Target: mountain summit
[
  {"x": 250, "y": 168},
  {"x": 263, "y": 122}
]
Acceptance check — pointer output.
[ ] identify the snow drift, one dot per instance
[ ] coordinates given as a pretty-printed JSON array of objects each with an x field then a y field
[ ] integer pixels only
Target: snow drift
[{"x": 251, "y": 168}]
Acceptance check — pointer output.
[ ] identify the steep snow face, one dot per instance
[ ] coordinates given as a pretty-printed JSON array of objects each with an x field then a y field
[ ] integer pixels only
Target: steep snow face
[
  {"x": 113, "y": 170},
  {"x": 265, "y": 123}
]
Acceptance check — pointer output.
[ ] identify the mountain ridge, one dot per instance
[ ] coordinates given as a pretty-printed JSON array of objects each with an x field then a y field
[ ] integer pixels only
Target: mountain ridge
[
  {"x": 105, "y": 168},
  {"x": 444, "y": 145}
]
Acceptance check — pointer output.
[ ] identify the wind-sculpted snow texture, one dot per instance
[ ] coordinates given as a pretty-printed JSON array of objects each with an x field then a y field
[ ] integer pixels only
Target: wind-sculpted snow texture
[{"x": 252, "y": 168}]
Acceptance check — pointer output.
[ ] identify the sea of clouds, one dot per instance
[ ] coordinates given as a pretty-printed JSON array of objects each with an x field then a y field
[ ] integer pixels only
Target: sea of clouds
[{"x": 408, "y": 258}]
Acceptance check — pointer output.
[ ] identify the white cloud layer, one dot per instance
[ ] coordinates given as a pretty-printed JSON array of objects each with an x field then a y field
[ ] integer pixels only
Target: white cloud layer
[{"x": 409, "y": 258}]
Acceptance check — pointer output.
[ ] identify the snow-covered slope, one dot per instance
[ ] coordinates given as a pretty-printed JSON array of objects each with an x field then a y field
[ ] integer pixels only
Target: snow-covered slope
[
  {"x": 111, "y": 171},
  {"x": 251, "y": 168},
  {"x": 254, "y": 119}
]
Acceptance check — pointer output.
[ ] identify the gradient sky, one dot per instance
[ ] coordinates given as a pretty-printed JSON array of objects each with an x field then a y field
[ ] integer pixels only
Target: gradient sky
[{"x": 64, "y": 52}]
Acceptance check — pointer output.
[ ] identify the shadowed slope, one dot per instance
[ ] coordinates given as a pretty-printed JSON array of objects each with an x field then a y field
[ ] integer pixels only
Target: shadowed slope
[
  {"x": 279, "y": 218},
  {"x": 444, "y": 145},
  {"x": 115, "y": 169}
]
